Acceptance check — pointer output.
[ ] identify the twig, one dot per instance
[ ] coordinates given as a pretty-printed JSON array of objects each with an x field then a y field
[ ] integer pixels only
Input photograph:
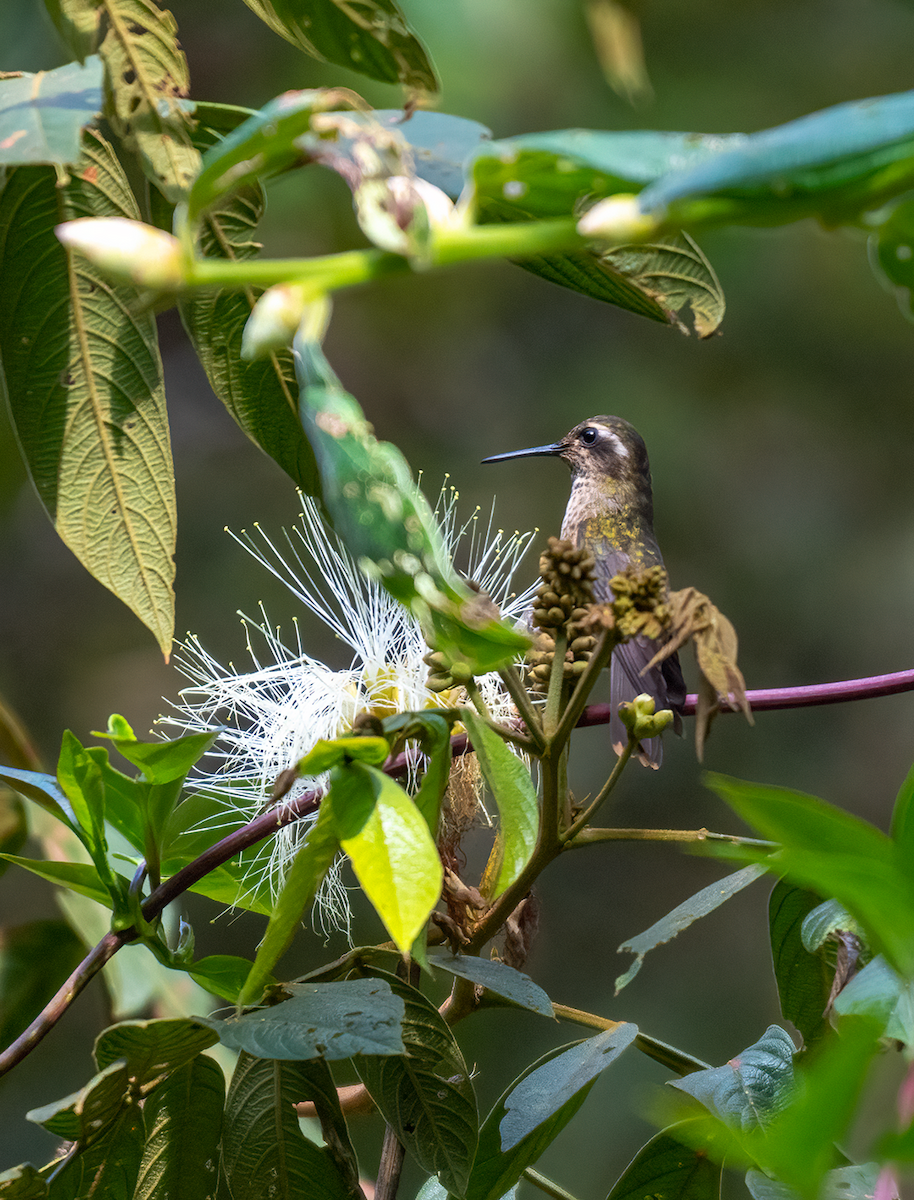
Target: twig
[{"x": 521, "y": 697}]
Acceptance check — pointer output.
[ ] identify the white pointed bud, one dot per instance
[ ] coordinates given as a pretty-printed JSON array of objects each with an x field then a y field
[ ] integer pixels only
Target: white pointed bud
[
  {"x": 617, "y": 219},
  {"x": 279, "y": 314},
  {"x": 127, "y": 251}
]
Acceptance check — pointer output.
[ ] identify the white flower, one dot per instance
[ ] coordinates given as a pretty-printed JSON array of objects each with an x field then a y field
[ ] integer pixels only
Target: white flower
[
  {"x": 127, "y": 251},
  {"x": 270, "y": 717}
]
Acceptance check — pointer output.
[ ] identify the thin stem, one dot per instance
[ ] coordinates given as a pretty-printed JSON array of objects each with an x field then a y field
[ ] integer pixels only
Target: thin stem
[
  {"x": 514, "y": 685},
  {"x": 556, "y": 684},
  {"x": 592, "y": 837},
  {"x": 390, "y": 1167},
  {"x": 546, "y": 1185},
  {"x": 584, "y": 819},
  {"x": 504, "y": 731},
  {"x": 599, "y": 658},
  {"x": 677, "y": 1060}
]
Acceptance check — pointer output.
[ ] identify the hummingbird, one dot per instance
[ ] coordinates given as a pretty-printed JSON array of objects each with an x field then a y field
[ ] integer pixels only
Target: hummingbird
[{"x": 611, "y": 512}]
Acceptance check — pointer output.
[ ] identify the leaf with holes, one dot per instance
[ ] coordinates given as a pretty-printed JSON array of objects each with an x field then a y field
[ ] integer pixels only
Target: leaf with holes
[
  {"x": 84, "y": 381},
  {"x": 146, "y": 80}
]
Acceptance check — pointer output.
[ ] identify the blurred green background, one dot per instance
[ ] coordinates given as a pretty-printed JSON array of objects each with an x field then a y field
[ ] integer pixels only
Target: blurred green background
[{"x": 782, "y": 462}]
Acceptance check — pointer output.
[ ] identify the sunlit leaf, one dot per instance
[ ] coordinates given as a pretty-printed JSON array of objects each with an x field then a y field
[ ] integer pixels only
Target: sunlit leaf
[
  {"x": 674, "y": 273},
  {"x": 327, "y": 1020},
  {"x": 183, "y": 1119},
  {"x": 518, "y": 808},
  {"x": 84, "y": 381},
  {"x": 42, "y": 116},
  {"x": 221, "y": 974}
]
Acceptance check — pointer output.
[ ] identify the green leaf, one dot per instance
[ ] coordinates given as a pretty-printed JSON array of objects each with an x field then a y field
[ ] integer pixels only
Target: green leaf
[
  {"x": 425, "y": 1094},
  {"x": 42, "y": 116},
  {"x": 496, "y": 1170},
  {"x": 388, "y": 527},
  {"x": 35, "y": 959},
  {"x": 221, "y": 974},
  {"x": 81, "y": 781},
  {"x": 892, "y": 256},
  {"x": 78, "y": 877},
  {"x": 264, "y": 1153},
  {"x": 902, "y": 830},
  {"x": 84, "y": 1116},
  {"x": 84, "y": 382},
  {"x": 77, "y": 23},
  {"x": 843, "y": 1183},
  {"x": 673, "y": 273},
  {"x": 392, "y": 852},
  {"x": 152, "y": 1049},
  {"x": 835, "y": 854},
  {"x": 879, "y": 992},
  {"x": 327, "y": 1020},
  {"x": 300, "y": 884},
  {"x": 160, "y": 762},
  {"x": 146, "y": 80},
  {"x": 497, "y": 978},
  {"x": 371, "y": 38},
  {"x": 183, "y": 1118},
  {"x": 109, "y": 1166},
  {"x": 325, "y": 754},
  {"x": 43, "y": 790},
  {"x": 803, "y": 978},
  {"x": 22, "y": 1183},
  {"x": 751, "y": 1089},
  {"x": 825, "y": 919},
  {"x": 319, "y": 1088},
  {"x": 433, "y": 733},
  {"x": 518, "y": 808},
  {"x": 124, "y": 800},
  {"x": 682, "y": 916},
  {"x": 665, "y": 1167}
]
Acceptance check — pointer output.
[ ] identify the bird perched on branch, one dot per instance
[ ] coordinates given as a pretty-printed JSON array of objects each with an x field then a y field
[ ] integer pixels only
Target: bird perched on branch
[{"x": 611, "y": 513}]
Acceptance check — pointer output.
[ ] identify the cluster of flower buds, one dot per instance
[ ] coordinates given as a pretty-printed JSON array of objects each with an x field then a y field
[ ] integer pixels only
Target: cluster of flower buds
[
  {"x": 563, "y": 601},
  {"x": 640, "y": 605},
  {"x": 441, "y": 677}
]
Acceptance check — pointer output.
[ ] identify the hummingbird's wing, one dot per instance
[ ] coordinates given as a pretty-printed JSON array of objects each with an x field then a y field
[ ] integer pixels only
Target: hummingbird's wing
[{"x": 626, "y": 682}]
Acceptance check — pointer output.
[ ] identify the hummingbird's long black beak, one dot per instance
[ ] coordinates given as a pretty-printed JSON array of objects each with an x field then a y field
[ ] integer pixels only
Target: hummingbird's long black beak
[{"x": 533, "y": 452}]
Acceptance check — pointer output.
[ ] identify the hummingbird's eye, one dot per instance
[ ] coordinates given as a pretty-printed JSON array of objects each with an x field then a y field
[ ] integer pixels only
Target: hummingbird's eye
[{"x": 588, "y": 436}]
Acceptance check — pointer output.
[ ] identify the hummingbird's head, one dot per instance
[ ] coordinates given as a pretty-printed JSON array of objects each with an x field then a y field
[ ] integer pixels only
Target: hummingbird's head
[{"x": 601, "y": 450}]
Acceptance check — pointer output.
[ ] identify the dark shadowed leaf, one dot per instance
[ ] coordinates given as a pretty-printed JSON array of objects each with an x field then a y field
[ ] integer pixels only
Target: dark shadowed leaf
[
  {"x": 752, "y": 1087},
  {"x": 35, "y": 959},
  {"x": 152, "y": 1049},
  {"x": 319, "y": 1087},
  {"x": 42, "y": 116},
  {"x": 108, "y": 1166},
  {"x": 326, "y": 1020},
  {"x": 22, "y": 1183},
  {"x": 682, "y": 916},
  {"x": 84, "y": 381},
  {"x": 665, "y": 1167},
  {"x": 803, "y": 978},
  {"x": 85, "y": 1115},
  {"x": 426, "y": 1094},
  {"x": 265, "y": 1156},
  {"x": 183, "y": 1119},
  {"x": 498, "y": 978}
]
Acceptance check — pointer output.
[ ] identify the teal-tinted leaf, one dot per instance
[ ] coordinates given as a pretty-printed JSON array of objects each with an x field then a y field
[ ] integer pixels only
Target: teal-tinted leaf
[
  {"x": 752, "y": 1087},
  {"x": 388, "y": 527},
  {"x": 84, "y": 382},
  {"x": 843, "y": 1183},
  {"x": 392, "y": 852},
  {"x": 803, "y": 977},
  {"x": 497, "y": 978},
  {"x": 372, "y": 38},
  {"x": 835, "y": 854},
  {"x": 665, "y": 1167},
  {"x": 45, "y": 791},
  {"x": 265, "y": 1156},
  {"x": 22, "y": 1183},
  {"x": 823, "y": 161},
  {"x": 42, "y": 116},
  {"x": 221, "y": 974},
  {"x": 440, "y": 143},
  {"x": 146, "y": 79},
  {"x": 84, "y": 1116},
  {"x": 78, "y": 877},
  {"x": 35, "y": 959},
  {"x": 682, "y": 916},
  {"x": 879, "y": 992},
  {"x": 327, "y": 1020},
  {"x": 543, "y": 1093},
  {"x": 518, "y": 808},
  {"x": 426, "y": 1094},
  {"x": 183, "y": 1118},
  {"x": 300, "y": 884},
  {"x": 108, "y": 1166},
  {"x": 825, "y": 919},
  {"x": 496, "y": 1171},
  {"x": 319, "y": 1088},
  {"x": 152, "y": 1049}
]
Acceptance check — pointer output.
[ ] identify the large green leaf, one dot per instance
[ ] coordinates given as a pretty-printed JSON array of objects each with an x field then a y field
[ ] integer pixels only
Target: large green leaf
[
  {"x": 152, "y": 1049},
  {"x": 371, "y": 37},
  {"x": 665, "y": 1167},
  {"x": 803, "y": 977},
  {"x": 78, "y": 877},
  {"x": 84, "y": 1116},
  {"x": 35, "y": 959},
  {"x": 106, "y": 1167},
  {"x": 751, "y": 1089},
  {"x": 42, "y": 116},
  {"x": 509, "y": 781},
  {"x": 326, "y": 1020},
  {"x": 265, "y": 1156},
  {"x": 146, "y": 79},
  {"x": 84, "y": 382},
  {"x": 183, "y": 1118},
  {"x": 426, "y": 1095},
  {"x": 498, "y": 978}
]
